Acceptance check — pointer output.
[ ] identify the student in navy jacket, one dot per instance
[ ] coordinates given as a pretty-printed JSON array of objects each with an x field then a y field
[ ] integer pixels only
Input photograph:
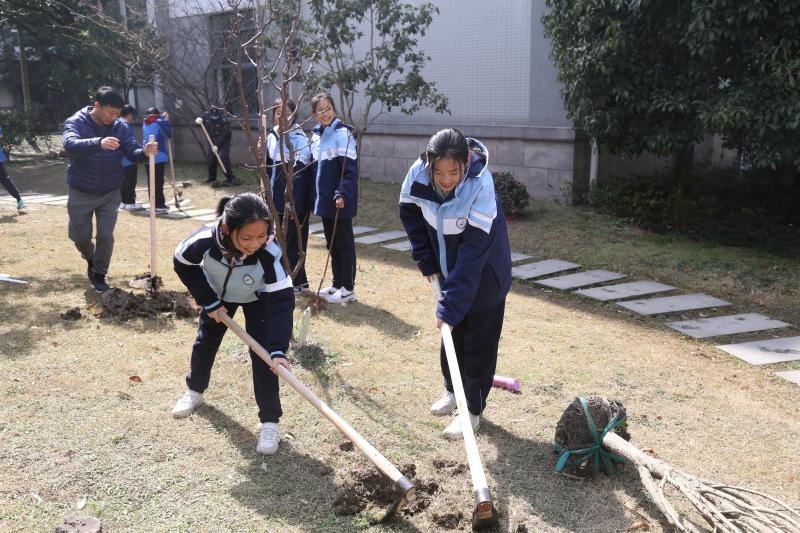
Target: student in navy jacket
[
  {"x": 96, "y": 140},
  {"x": 333, "y": 148},
  {"x": 457, "y": 230},
  {"x": 295, "y": 151},
  {"x": 127, "y": 190},
  {"x": 157, "y": 124},
  {"x": 229, "y": 263},
  {"x": 6, "y": 180}
]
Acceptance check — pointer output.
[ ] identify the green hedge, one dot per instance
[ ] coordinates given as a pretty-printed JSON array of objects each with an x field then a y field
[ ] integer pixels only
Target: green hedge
[{"x": 513, "y": 194}]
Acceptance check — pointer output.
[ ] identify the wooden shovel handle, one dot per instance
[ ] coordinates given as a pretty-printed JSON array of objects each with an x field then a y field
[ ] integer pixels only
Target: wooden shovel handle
[
  {"x": 152, "y": 178},
  {"x": 383, "y": 464}
]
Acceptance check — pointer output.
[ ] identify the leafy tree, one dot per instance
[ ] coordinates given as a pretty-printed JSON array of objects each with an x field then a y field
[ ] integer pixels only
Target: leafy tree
[
  {"x": 654, "y": 75},
  {"x": 387, "y": 74}
]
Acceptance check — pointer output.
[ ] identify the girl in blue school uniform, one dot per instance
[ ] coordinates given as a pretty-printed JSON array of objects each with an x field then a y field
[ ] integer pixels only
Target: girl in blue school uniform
[
  {"x": 6, "y": 180},
  {"x": 457, "y": 230},
  {"x": 296, "y": 151},
  {"x": 333, "y": 147},
  {"x": 156, "y": 123},
  {"x": 230, "y": 263}
]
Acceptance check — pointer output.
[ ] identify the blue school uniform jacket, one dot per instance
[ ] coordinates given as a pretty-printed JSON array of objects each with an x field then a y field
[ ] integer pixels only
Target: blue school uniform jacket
[
  {"x": 333, "y": 149},
  {"x": 125, "y": 161},
  {"x": 303, "y": 185},
  {"x": 162, "y": 130},
  {"x": 92, "y": 169},
  {"x": 462, "y": 236},
  {"x": 214, "y": 275},
  {"x": 2, "y": 153}
]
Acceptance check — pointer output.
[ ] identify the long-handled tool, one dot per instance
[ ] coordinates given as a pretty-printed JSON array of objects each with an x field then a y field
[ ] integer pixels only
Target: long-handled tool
[
  {"x": 199, "y": 122},
  {"x": 485, "y": 514},
  {"x": 152, "y": 178},
  {"x": 406, "y": 489},
  {"x": 176, "y": 193}
]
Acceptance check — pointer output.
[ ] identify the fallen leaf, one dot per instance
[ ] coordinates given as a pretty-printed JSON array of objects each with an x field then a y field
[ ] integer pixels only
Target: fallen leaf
[
  {"x": 264, "y": 467},
  {"x": 36, "y": 497},
  {"x": 639, "y": 525},
  {"x": 135, "y": 379},
  {"x": 90, "y": 306},
  {"x": 69, "y": 453},
  {"x": 288, "y": 436},
  {"x": 80, "y": 504}
]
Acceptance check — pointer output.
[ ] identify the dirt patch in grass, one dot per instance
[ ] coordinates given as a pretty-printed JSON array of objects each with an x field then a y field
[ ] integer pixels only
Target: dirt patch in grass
[{"x": 127, "y": 305}]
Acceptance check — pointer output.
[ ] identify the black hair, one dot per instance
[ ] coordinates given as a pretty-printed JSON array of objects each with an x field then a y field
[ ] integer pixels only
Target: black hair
[
  {"x": 318, "y": 98},
  {"x": 291, "y": 104},
  {"x": 242, "y": 209},
  {"x": 127, "y": 110},
  {"x": 105, "y": 95},
  {"x": 447, "y": 143},
  {"x": 152, "y": 111}
]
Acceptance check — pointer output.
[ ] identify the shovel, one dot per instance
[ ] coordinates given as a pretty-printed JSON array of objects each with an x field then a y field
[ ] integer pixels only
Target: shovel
[
  {"x": 485, "y": 514},
  {"x": 406, "y": 489},
  {"x": 199, "y": 122},
  {"x": 143, "y": 282}
]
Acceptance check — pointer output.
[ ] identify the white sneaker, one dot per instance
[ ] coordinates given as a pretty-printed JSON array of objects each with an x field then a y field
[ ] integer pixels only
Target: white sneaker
[
  {"x": 123, "y": 207},
  {"x": 162, "y": 210},
  {"x": 444, "y": 405},
  {"x": 190, "y": 401},
  {"x": 453, "y": 431},
  {"x": 135, "y": 206},
  {"x": 269, "y": 438},
  {"x": 324, "y": 293},
  {"x": 341, "y": 296}
]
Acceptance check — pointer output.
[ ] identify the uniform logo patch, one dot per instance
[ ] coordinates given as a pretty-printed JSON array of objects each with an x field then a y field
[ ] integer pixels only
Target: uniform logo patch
[
  {"x": 248, "y": 279},
  {"x": 461, "y": 222}
]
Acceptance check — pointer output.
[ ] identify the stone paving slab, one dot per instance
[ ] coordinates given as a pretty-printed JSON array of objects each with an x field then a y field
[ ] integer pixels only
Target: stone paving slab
[
  {"x": 205, "y": 218},
  {"x": 196, "y": 212},
  {"x": 381, "y": 237},
  {"x": 31, "y": 197},
  {"x": 790, "y": 375},
  {"x": 315, "y": 228},
  {"x": 57, "y": 201},
  {"x": 672, "y": 304},
  {"x": 402, "y": 246},
  {"x": 765, "y": 352},
  {"x": 542, "y": 268},
  {"x": 43, "y": 198},
  {"x": 624, "y": 290},
  {"x": 581, "y": 279},
  {"x": 176, "y": 215},
  {"x": 516, "y": 257},
  {"x": 726, "y": 325},
  {"x": 358, "y": 230}
]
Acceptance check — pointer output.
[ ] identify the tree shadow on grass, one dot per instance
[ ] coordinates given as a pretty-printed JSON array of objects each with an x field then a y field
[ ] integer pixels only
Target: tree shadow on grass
[
  {"x": 524, "y": 470},
  {"x": 359, "y": 313},
  {"x": 10, "y": 219},
  {"x": 290, "y": 485}
]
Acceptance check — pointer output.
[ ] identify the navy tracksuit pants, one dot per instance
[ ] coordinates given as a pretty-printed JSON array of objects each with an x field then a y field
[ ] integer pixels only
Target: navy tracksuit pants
[
  {"x": 476, "y": 339},
  {"x": 293, "y": 248},
  {"x": 343, "y": 252},
  {"x": 209, "y": 337}
]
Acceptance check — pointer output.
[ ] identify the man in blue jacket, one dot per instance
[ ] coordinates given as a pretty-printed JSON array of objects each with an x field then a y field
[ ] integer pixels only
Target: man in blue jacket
[{"x": 96, "y": 140}]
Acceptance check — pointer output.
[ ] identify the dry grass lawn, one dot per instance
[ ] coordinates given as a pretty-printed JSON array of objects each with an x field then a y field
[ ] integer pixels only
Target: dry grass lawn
[{"x": 73, "y": 424}]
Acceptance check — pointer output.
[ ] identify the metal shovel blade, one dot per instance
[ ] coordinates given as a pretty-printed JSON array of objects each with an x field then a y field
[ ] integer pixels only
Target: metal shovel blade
[{"x": 302, "y": 331}]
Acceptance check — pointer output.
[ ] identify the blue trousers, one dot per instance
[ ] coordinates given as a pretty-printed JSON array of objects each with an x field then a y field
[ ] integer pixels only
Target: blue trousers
[
  {"x": 204, "y": 351},
  {"x": 343, "y": 252},
  {"x": 6, "y": 181},
  {"x": 476, "y": 339}
]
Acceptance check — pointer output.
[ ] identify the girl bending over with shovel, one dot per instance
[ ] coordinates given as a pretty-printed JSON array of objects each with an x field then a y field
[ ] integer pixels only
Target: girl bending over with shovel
[
  {"x": 229, "y": 263},
  {"x": 458, "y": 236}
]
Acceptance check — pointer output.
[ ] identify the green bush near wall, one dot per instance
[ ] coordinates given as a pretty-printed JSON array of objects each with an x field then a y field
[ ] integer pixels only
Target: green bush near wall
[{"x": 513, "y": 194}]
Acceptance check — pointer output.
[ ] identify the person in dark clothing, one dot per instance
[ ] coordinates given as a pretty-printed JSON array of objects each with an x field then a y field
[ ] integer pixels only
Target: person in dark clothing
[
  {"x": 236, "y": 262},
  {"x": 216, "y": 123},
  {"x": 458, "y": 234},
  {"x": 157, "y": 124},
  {"x": 286, "y": 147},
  {"x": 127, "y": 190},
  {"x": 96, "y": 140},
  {"x": 6, "y": 180}
]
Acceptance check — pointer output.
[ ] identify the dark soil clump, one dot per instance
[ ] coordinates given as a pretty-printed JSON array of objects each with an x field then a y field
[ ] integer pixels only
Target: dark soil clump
[
  {"x": 572, "y": 430},
  {"x": 448, "y": 521},
  {"x": 346, "y": 446},
  {"x": 126, "y": 305},
  {"x": 71, "y": 314},
  {"x": 369, "y": 488},
  {"x": 453, "y": 468}
]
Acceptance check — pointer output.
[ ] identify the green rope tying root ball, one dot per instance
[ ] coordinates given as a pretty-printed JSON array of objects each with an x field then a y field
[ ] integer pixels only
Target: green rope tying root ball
[
  {"x": 580, "y": 443},
  {"x": 717, "y": 507}
]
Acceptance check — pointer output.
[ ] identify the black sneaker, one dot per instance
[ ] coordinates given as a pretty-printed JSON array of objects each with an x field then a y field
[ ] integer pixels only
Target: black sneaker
[
  {"x": 210, "y": 180},
  {"x": 98, "y": 281},
  {"x": 218, "y": 184},
  {"x": 233, "y": 182}
]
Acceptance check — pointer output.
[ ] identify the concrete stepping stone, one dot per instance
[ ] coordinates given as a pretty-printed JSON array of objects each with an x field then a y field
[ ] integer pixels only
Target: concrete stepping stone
[
  {"x": 726, "y": 325},
  {"x": 581, "y": 279},
  {"x": 381, "y": 237},
  {"x": 175, "y": 215},
  {"x": 57, "y": 200},
  {"x": 402, "y": 246},
  {"x": 516, "y": 257},
  {"x": 315, "y": 228},
  {"x": 624, "y": 290},
  {"x": 790, "y": 375},
  {"x": 672, "y": 304},
  {"x": 765, "y": 352},
  {"x": 542, "y": 268},
  {"x": 196, "y": 212},
  {"x": 29, "y": 198},
  {"x": 205, "y": 218},
  {"x": 41, "y": 198},
  {"x": 358, "y": 230}
]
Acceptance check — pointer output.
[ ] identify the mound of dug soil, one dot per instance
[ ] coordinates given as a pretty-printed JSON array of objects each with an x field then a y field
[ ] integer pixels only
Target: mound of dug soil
[
  {"x": 126, "y": 305},
  {"x": 370, "y": 489}
]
